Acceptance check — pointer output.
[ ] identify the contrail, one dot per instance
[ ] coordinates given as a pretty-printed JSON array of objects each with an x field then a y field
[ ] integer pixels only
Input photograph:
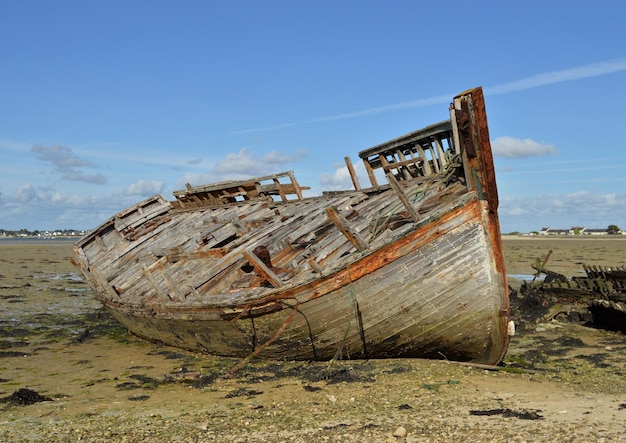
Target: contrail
[
  {"x": 549, "y": 78},
  {"x": 535, "y": 81},
  {"x": 362, "y": 113},
  {"x": 552, "y": 171}
]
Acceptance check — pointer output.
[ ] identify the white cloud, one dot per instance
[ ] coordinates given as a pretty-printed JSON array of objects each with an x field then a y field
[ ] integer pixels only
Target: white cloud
[
  {"x": 611, "y": 199},
  {"x": 341, "y": 180},
  {"x": 34, "y": 207},
  {"x": 583, "y": 208},
  {"x": 145, "y": 188},
  {"x": 244, "y": 164},
  {"x": 557, "y": 203},
  {"x": 195, "y": 178},
  {"x": 510, "y": 147},
  {"x": 57, "y": 197},
  {"x": 247, "y": 164},
  {"x": 68, "y": 164},
  {"x": 517, "y": 211},
  {"x": 26, "y": 193},
  {"x": 98, "y": 179},
  {"x": 241, "y": 163}
]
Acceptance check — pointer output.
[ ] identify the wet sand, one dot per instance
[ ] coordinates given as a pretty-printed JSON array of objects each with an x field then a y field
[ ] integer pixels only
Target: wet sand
[
  {"x": 568, "y": 253},
  {"x": 559, "y": 382}
]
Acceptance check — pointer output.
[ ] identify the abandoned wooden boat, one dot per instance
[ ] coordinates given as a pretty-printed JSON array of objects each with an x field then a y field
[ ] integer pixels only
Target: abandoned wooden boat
[{"x": 408, "y": 268}]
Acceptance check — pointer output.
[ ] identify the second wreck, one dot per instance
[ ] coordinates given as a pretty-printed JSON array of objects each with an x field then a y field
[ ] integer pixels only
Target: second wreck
[
  {"x": 409, "y": 266},
  {"x": 597, "y": 299}
]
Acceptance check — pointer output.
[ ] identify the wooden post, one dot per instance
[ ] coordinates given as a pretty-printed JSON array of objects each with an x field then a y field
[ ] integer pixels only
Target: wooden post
[
  {"x": 343, "y": 225},
  {"x": 441, "y": 155},
  {"x": 295, "y": 184},
  {"x": 355, "y": 180},
  {"x": 403, "y": 169},
  {"x": 370, "y": 173},
  {"x": 281, "y": 191},
  {"x": 425, "y": 164},
  {"x": 403, "y": 198}
]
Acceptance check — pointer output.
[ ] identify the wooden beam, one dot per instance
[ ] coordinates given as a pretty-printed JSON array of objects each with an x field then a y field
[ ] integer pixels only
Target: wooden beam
[
  {"x": 295, "y": 185},
  {"x": 370, "y": 173},
  {"x": 403, "y": 170},
  {"x": 260, "y": 268},
  {"x": 281, "y": 191},
  {"x": 314, "y": 265},
  {"x": 403, "y": 198},
  {"x": 425, "y": 165},
  {"x": 167, "y": 277},
  {"x": 441, "y": 155},
  {"x": 351, "y": 234},
  {"x": 355, "y": 180},
  {"x": 154, "y": 284}
]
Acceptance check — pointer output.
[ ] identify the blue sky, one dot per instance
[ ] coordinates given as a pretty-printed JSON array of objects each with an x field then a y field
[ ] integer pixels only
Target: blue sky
[{"x": 104, "y": 103}]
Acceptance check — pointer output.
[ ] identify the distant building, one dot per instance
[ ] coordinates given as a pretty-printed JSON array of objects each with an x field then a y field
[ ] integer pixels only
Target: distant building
[
  {"x": 550, "y": 231},
  {"x": 595, "y": 231},
  {"x": 574, "y": 230}
]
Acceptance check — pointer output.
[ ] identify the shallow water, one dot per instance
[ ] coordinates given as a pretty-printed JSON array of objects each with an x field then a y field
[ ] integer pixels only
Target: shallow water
[
  {"x": 36, "y": 240},
  {"x": 525, "y": 277},
  {"x": 41, "y": 293}
]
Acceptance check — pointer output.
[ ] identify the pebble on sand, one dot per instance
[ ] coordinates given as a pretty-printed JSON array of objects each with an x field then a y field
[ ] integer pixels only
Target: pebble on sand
[{"x": 400, "y": 432}]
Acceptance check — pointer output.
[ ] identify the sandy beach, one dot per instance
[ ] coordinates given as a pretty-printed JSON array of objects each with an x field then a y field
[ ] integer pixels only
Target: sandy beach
[{"x": 68, "y": 372}]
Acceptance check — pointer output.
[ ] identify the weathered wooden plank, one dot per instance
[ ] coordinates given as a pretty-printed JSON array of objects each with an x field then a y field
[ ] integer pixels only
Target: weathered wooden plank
[
  {"x": 140, "y": 213},
  {"x": 345, "y": 228}
]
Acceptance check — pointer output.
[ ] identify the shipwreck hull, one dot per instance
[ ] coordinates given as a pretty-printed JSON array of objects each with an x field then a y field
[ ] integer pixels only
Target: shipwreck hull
[
  {"x": 399, "y": 310},
  {"x": 413, "y": 268}
]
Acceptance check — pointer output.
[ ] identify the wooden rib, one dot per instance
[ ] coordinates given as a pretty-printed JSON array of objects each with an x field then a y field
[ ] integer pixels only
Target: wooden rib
[
  {"x": 314, "y": 265},
  {"x": 403, "y": 198},
  {"x": 351, "y": 234},
  {"x": 156, "y": 287},
  {"x": 167, "y": 277},
  {"x": 260, "y": 268}
]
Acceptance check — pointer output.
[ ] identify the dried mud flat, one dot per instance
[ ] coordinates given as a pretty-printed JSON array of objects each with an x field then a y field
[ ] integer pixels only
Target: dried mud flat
[{"x": 70, "y": 373}]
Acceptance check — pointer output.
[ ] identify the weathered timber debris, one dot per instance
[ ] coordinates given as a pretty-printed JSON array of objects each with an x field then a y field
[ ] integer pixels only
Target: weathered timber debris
[{"x": 598, "y": 298}]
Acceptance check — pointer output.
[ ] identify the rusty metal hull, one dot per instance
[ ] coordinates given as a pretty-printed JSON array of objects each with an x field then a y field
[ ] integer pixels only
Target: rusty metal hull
[{"x": 409, "y": 269}]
